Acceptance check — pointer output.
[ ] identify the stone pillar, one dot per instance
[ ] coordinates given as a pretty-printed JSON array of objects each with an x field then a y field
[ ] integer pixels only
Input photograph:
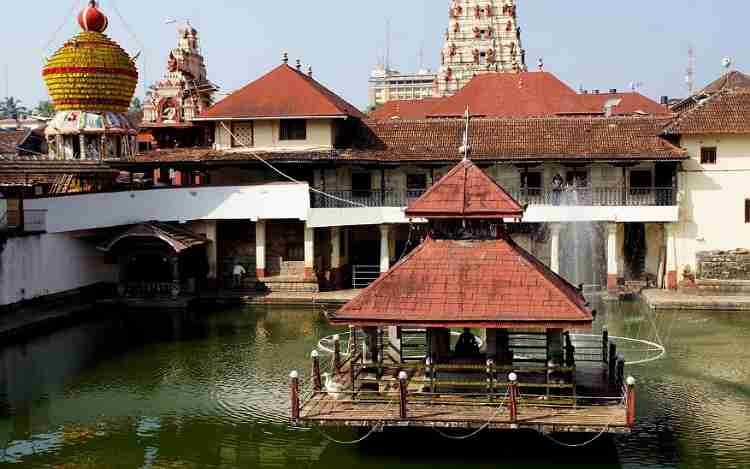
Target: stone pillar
[
  {"x": 336, "y": 257},
  {"x": 671, "y": 243},
  {"x": 385, "y": 260},
  {"x": 260, "y": 248},
  {"x": 174, "y": 262},
  {"x": 392, "y": 254},
  {"x": 208, "y": 228},
  {"x": 612, "y": 261},
  {"x": 309, "y": 253},
  {"x": 82, "y": 144},
  {"x": 554, "y": 246}
]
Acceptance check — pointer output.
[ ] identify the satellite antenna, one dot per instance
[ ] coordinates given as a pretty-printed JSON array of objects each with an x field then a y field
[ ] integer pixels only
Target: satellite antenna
[{"x": 727, "y": 62}]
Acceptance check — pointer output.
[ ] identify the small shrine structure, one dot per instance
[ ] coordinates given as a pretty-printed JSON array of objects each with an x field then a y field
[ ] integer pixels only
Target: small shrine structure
[
  {"x": 469, "y": 331},
  {"x": 181, "y": 95}
]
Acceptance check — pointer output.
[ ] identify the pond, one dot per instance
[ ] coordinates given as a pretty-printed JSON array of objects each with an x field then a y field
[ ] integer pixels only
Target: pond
[{"x": 210, "y": 390}]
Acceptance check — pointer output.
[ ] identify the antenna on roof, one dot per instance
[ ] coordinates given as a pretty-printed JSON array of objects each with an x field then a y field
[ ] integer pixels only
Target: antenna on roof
[
  {"x": 690, "y": 74},
  {"x": 387, "y": 44},
  {"x": 727, "y": 63}
]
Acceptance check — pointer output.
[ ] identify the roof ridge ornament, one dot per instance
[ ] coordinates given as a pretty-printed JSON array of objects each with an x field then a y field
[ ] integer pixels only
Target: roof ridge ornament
[{"x": 92, "y": 19}]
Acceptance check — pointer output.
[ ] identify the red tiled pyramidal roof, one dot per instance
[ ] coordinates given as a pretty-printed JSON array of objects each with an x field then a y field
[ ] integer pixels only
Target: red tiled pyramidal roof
[
  {"x": 283, "y": 92},
  {"x": 407, "y": 109},
  {"x": 482, "y": 284},
  {"x": 465, "y": 192},
  {"x": 626, "y": 104},
  {"x": 527, "y": 94}
]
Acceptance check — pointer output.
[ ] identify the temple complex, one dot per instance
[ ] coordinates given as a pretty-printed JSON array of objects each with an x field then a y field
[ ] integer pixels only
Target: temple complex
[
  {"x": 483, "y": 36},
  {"x": 181, "y": 95}
]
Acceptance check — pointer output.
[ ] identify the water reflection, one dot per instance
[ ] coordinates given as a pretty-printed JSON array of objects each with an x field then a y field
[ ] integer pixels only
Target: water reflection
[{"x": 183, "y": 391}]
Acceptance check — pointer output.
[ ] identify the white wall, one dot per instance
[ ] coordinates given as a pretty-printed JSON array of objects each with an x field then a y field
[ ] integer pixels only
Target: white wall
[
  {"x": 325, "y": 217},
  {"x": 89, "y": 211},
  {"x": 621, "y": 214},
  {"x": 266, "y": 135},
  {"x": 46, "y": 264},
  {"x": 712, "y": 212}
]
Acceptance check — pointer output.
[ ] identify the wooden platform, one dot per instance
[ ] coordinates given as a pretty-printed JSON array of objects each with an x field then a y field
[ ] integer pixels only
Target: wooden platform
[{"x": 324, "y": 410}]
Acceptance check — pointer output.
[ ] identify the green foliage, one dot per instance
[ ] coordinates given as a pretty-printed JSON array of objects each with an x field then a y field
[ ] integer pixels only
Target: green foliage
[
  {"x": 44, "y": 109},
  {"x": 136, "y": 105},
  {"x": 11, "y": 108}
]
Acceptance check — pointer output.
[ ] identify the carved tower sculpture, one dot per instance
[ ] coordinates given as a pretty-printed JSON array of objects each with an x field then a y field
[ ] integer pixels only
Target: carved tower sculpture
[
  {"x": 483, "y": 36},
  {"x": 184, "y": 91}
]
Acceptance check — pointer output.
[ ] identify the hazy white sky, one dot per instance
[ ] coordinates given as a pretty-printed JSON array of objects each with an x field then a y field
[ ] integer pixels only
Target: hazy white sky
[{"x": 598, "y": 44}]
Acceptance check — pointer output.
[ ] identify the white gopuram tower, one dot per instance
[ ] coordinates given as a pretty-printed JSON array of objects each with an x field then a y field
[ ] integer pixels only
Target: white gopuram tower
[{"x": 483, "y": 36}]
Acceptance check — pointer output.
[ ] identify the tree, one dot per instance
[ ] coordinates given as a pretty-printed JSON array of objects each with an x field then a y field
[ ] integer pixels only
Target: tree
[
  {"x": 136, "y": 105},
  {"x": 44, "y": 109},
  {"x": 11, "y": 108}
]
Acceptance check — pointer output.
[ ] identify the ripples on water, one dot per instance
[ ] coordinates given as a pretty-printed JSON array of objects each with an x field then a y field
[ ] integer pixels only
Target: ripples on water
[{"x": 212, "y": 391}]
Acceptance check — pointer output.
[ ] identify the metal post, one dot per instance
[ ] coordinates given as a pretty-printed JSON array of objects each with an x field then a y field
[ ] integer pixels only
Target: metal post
[
  {"x": 490, "y": 377},
  {"x": 630, "y": 401},
  {"x": 317, "y": 383},
  {"x": 612, "y": 362},
  {"x": 402, "y": 377},
  {"x": 605, "y": 344},
  {"x": 294, "y": 390},
  {"x": 512, "y": 386},
  {"x": 336, "y": 353}
]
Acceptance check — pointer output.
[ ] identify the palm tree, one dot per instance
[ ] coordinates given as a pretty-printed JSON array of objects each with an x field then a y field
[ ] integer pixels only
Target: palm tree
[
  {"x": 11, "y": 108},
  {"x": 44, "y": 109}
]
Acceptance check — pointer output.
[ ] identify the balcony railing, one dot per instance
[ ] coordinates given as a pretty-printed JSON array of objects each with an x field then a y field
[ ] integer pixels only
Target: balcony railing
[
  {"x": 584, "y": 196},
  {"x": 359, "y": 199},
  {"x": 599, "y": 196}
]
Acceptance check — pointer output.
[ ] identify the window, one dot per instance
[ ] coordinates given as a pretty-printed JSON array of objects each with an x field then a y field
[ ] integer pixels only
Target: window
[
  {"x": 747, "y": 210},
  {"x": 293, "y": 129},
  {"x": 708, "y": 155},
  {"x": 532, "y": 183},
  {"x": 361, "y": 184},
  {"x": 416, "y": 182}
]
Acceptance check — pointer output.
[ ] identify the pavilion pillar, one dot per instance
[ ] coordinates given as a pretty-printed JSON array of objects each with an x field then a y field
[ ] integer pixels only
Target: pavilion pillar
[
  {"x": 174, "y": 263},
  {"x": 260, "y": 248},
  {"x": 612, "y": 263},
  {"x": 671, "y": 243},
  {"x": 385, "y": 259},
  {"x": 309, "y": 253},
  {"x": 554, "y": 262},
  {"x": 336, "y": 257},
  {"x": 212, "y": 251}
]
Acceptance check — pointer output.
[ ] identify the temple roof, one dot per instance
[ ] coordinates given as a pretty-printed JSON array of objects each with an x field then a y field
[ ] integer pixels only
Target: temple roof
[
  {"x": 465, "y": 192},
  {"x": 483, "y": 284},
  {"x": 726, "y": 112},
  {"x": 178, "y": 239},
  {"x": 284, "y": 93},
  {"x": 519, "y": 95}
]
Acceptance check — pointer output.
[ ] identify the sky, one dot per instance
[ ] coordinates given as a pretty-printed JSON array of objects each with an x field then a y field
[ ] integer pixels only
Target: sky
[{"x": 594, "y": 44}]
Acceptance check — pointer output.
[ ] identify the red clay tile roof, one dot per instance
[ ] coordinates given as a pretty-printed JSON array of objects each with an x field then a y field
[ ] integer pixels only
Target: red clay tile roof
[
  {"x": 10, "y": 140},
  {"x": 20, "y": 171},
  {"x": 491, "y": 283},
  {"x": 404, "y": 109},
  {"x": 527, "y": 94},
  {"x": 630, "y": 103},
  {"x": 438, "y": 140},
  {"x": 465, "y": 192},
  {"x": 283, "y": 92},
  {"x": 542, "y": 139},
  {"x": 727, "y": 112},
  {"x": 733, "y": 80}
]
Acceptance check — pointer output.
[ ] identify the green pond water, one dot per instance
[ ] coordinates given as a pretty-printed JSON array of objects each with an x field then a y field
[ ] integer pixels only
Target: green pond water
[{"x": 211, "y": 390}]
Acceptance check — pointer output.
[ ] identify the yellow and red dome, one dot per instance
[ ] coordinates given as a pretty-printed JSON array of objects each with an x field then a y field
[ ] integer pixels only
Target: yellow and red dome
[{"x": 91, "y": 72}]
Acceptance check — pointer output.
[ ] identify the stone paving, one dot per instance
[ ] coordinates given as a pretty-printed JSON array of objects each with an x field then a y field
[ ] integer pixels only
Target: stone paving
[{"x": 667, "y": 299}]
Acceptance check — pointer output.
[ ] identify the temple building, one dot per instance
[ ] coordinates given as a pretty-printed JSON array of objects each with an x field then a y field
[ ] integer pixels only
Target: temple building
[
  {"x": 483, "y": 36},
  {"x": 180, "y": 96}
]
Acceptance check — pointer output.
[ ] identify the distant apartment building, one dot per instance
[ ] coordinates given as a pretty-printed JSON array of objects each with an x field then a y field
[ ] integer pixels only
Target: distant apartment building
[{"x": 391, "y": 85}]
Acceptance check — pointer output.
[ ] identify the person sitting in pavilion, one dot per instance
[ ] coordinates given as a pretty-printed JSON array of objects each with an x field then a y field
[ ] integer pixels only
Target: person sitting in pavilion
[{"x": 467, "y": 345}]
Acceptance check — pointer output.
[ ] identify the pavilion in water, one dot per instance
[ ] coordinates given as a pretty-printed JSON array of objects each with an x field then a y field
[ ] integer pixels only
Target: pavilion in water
[{"x": 472, "y": 325}]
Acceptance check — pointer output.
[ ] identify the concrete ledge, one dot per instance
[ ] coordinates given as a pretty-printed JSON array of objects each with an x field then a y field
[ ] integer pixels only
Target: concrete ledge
[{"x": 670, "y": 300}]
